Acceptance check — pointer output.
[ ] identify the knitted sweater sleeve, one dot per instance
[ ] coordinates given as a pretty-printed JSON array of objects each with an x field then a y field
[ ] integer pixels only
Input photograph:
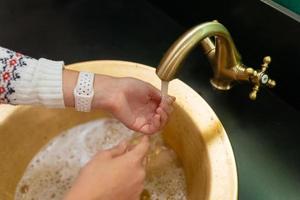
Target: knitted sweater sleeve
[{"x": 25, "y": 80}]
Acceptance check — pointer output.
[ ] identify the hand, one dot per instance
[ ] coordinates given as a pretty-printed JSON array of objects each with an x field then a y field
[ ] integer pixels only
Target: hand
[
  {"x": 136, "y": 103},
  {"x": 114, "y": 174}
]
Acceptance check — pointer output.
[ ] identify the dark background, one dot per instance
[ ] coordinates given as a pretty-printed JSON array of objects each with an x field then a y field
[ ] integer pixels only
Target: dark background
[
  {"x": 257, "y": 29},
  {"x": 263, "y": 133}
]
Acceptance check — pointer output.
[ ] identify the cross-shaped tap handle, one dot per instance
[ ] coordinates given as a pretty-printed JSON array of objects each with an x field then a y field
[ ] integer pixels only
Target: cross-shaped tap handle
[{"x": 259, "y": 77}]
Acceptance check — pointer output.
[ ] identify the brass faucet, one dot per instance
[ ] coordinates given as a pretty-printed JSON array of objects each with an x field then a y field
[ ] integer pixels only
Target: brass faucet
[{"x": 222, "y": 54}]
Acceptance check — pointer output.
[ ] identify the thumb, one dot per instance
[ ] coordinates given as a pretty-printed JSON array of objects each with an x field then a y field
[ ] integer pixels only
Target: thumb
[
  {"x": 141, "y": 149},
  {"x": 118, "y": 150}
]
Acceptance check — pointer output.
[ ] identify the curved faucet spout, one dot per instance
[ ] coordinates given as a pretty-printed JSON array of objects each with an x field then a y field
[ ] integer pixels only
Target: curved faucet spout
[{"x": 219, "y": 49}]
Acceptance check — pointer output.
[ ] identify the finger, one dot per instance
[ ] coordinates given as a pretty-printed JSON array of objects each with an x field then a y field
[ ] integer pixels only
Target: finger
[
  {"x": 163, "y": 117},
  {"x": 156, "y": 122},
  {"x": 152, "y": 126},
  {"x": 170, "y": 99},
  {"x": 141, "y": 149},
  {"x": 134, "y": 141},
  {"x": 139, "y": 121},
  {"x": 145, "y": 129},
  {"x": 166, "y": 107},
  {"x": 119, "y": 149}
]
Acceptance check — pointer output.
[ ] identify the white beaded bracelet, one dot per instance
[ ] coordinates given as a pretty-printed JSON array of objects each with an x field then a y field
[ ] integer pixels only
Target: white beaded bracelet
[{"x": 84, "y": 92}]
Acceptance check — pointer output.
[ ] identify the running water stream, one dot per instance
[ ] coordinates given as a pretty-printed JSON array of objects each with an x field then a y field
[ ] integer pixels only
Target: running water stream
[{"x": 164, "y": 88}]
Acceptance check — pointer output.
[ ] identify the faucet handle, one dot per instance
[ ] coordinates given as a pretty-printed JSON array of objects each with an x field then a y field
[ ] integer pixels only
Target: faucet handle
[
  {"x": 260, "y": 78},
  {"x": 253, "y": 93}
]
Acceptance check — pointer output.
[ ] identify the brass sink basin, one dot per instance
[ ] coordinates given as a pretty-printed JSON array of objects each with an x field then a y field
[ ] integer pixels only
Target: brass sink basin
[{"x": 194, "y": 132}]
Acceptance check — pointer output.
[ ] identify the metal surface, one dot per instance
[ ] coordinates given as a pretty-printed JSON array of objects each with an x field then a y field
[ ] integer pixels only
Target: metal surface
[
  {"x": 223, "y": 57},
  {"x": 194, "y": 132}
]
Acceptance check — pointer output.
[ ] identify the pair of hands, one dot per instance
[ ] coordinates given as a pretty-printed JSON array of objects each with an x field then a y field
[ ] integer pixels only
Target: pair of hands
[{"x": 119, "y": 173}]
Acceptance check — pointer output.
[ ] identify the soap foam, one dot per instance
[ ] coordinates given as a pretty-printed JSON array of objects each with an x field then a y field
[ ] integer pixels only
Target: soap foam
[{"x": 52, "y": 171}]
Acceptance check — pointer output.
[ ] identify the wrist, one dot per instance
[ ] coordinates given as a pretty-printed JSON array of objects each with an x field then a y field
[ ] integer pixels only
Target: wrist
[
  {"x": 84, "y": 91},
  {"x": 105, "y": 88},
  {"x": 69, "y": 83}
]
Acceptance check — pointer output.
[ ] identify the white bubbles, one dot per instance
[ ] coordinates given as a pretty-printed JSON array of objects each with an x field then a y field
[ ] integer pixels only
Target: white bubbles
[
  {"x": 53, "y": 170},
  {"x": 165, "y": 176}
]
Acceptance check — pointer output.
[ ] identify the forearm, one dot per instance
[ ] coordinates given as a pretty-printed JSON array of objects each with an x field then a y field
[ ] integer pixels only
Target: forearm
[{"x": 25, "y": 80}]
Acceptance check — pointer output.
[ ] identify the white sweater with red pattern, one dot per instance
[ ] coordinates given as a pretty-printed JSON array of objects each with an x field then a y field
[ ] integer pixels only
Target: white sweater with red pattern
[{"x": 24, "y": 80}]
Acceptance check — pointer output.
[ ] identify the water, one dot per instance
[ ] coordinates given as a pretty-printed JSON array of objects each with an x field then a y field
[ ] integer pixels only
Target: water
[
  {"x": 52, "y": 171},
  {"x": 164, "y": 88}
]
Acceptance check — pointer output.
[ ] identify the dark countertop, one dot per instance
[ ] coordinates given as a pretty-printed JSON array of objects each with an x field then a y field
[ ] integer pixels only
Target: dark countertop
[{"x": 263, "y": 133}]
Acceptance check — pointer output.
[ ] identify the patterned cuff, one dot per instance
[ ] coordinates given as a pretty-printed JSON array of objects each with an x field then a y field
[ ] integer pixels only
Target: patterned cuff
[
  {"x": 11, "y": 64},
  {"x": 28, "y": 81}
]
